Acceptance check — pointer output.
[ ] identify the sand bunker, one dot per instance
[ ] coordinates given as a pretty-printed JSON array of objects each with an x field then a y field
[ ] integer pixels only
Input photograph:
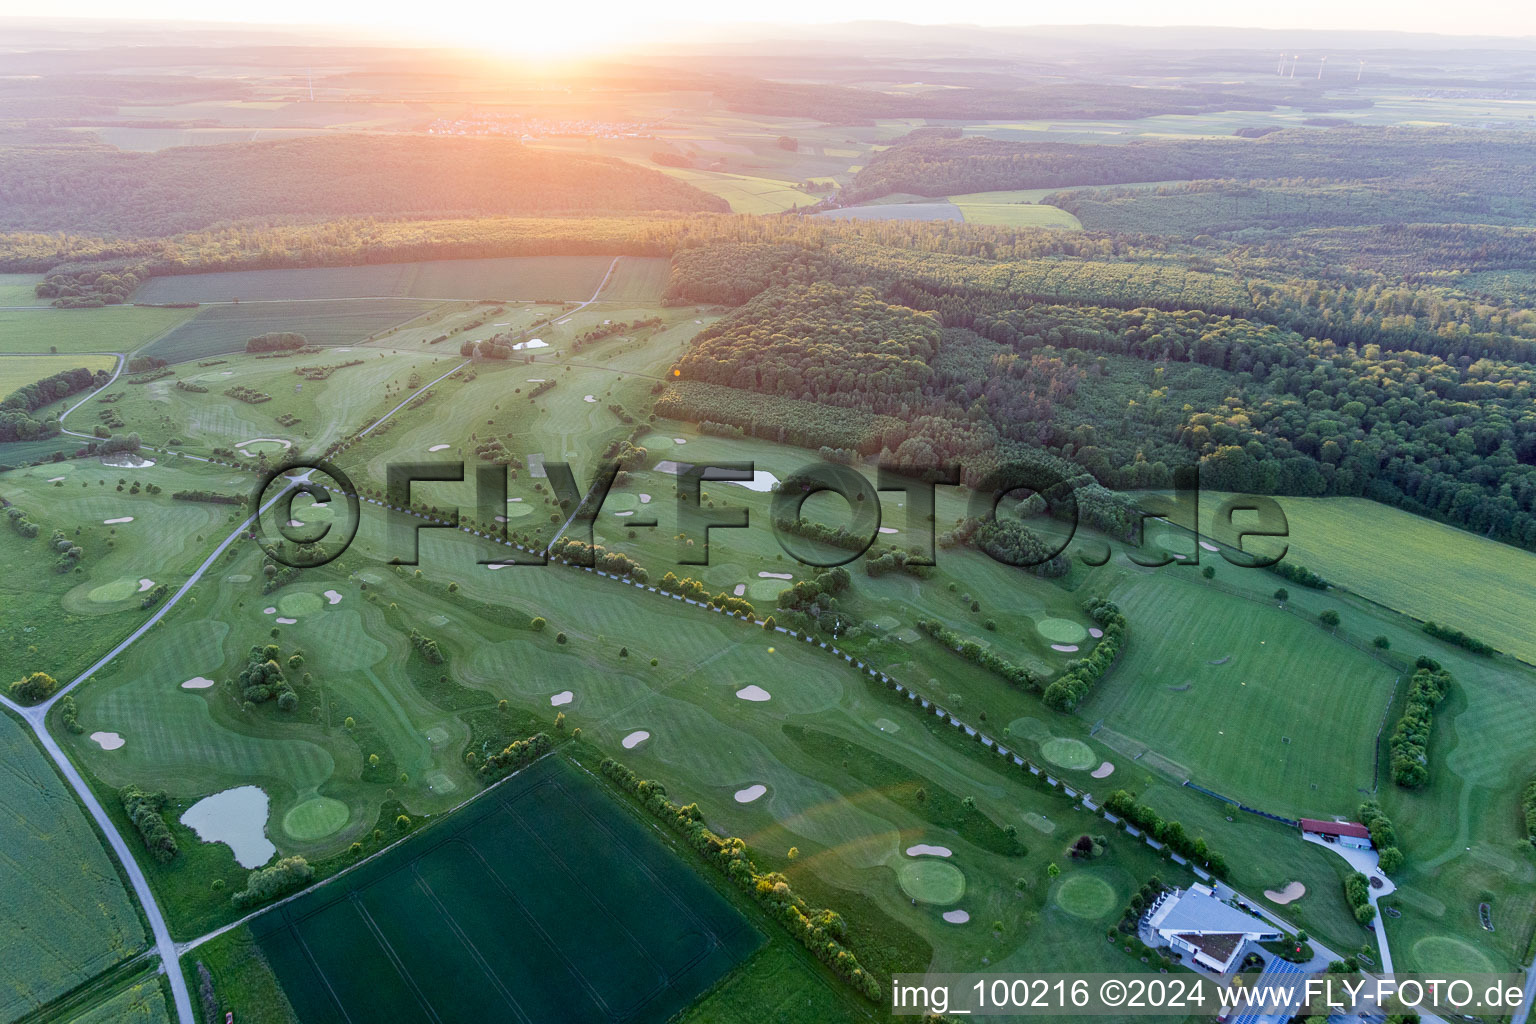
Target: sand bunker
[
  {"x": 562, "y": 698},
  {"x": 333, "y": 596},
  {"x": 924, "y": 850},
  {"x": 754, "y": 693},
  {"x": 1095, "y": 632},
  {"x": 108, "y": 740},
  {"x": 776, "y": 575},
  {"x": 956, "y": 916},
  {"x": 679, "y": 440},
  {"x": 762, "y": 481},
  {"x": 1103, "y": 771},
  {"x": 197, "y": 683},
  {"x": 1064, "y": 648},
  {"x": 626, "y": 512},
  {"x": 531, "y": 343},
  {"x": 119, "y": 519},
  {"x": 55, "y": 479},
  {"x": 238, "y": 819},
  {"x": 269, "y": 611},
  {"x": 437, "y": 447},
  {"x": 1209, "y": 546},
  {"x": 634, "y": 739},
  {"x": 1221, "y": 661},
  {"x": 887, "y": 529},
  {"x": 126, "y": 461},
  {"x": 1290, "y": 894},
  {"x": 589, "y": 398},
  {"x": 286, "y": 622},
  {"x": 746, "y": 796},
  {"x": 741, "y": 588}
]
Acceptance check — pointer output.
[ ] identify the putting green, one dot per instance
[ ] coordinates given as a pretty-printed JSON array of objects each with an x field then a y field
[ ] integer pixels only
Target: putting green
[
  {"x": 257, "y": 447},
  {"x": 294, "y": 605},
  {"x": 620, "y": 501},
  {"x": 928, "y": 880},
  {"x": 315, "y": 818},
  {"x": 309, "y": 512},
  {"x": 1061, "y": 631},
  {"x": 1175, "y": 542},
  {"x": 117, "y": 590},
  {"x": 518, "y": 509},
  {"x": 1067, "y": 753},
  {"x": 1085, "y": 896},
  {"x": 766, "y": 590},
  {"x": 1443, "y": 954}
]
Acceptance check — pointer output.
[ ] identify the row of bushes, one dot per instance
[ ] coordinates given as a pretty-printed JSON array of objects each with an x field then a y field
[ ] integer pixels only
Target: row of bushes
[
  {"x": 145, "y": 811},
  {"x": 1409, "y": 743},
  {"x": 515, "y": 755},
  {"x": 1299, "y": 574},
  {"x": 1015, "y": 675},
  {"x": 1357, "y": 891},
  {"x": 818, "y": 930},
  {"x": 212, "y": 497},
  {"x": 1455, "y": 636},
  {"x": 1081, "y": 675},
  {"x": 426, "y": 647},
  {"x": 287, "y": 875},
  {"x": 1383, "y": 837},
  {"x": 1123, "y": 804}
]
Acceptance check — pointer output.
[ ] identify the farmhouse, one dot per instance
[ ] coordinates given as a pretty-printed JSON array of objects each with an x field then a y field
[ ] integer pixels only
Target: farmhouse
[
  {"x": 1194, "y": 922},
  {"x": 1346, "y": 833}
]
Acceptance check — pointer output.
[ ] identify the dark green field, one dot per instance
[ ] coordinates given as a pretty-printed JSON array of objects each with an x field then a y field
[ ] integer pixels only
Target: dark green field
[
  {"x": 543, "y": 901},
  {"x": 219, "y": 330}
]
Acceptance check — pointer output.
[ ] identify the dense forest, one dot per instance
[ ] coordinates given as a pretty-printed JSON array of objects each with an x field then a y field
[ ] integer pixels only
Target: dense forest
[
  {"x": 1131, "y": 394},
  {"x": 92, "y": 189},
  {"x": 1461, "y": 161}
]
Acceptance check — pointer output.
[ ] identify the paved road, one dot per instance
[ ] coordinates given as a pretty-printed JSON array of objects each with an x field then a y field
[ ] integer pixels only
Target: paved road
[{"x": 35, "y": 717}]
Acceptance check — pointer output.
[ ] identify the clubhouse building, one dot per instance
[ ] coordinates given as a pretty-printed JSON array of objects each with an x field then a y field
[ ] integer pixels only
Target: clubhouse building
[
  {"x": 1204, "y": 929},
  {"x": 1350, "y": 834}
]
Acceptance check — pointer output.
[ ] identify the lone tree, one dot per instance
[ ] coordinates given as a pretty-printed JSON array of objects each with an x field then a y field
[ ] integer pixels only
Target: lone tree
[
  {"x": 1329, "y": 618},
  {"x": 1282, "y": 594}
]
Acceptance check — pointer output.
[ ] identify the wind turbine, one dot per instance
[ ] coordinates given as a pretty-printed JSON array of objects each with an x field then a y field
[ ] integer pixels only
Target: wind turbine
[
  {"x": 1361, "y": 71},
  {"x": 1296, "y": 60},
  {"x": 1320, "y": 68},
  {"x": 1280, "y": 67}
]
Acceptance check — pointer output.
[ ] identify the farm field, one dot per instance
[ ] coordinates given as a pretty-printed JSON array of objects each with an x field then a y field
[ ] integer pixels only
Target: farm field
[
  {"x": 746, "y": 193},
  {"x": 108, "y": 329},
  {"x": 420, "y": 933},
  {"x": 19, "y": 371},
  {"x": 224, "y": 329},
  {"x": 20, "y": 290},
  {"x": 513, "y": 277},
  {"x": 1422, "y": 568},
  {"x": 67, "y": 916},
  {"x": 140, "y": 1003}
]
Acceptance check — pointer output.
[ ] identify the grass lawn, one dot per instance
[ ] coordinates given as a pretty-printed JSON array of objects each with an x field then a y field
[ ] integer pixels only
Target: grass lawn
[
  {"x": 20, "y": 290},
  {"x": 108, "y": 329},
  {"x": 1477, "y": 585},
  {"x": 66, "y": 916},
  {"x": 19, "y": 371},
  {"x": 1286, "y": 721},
  {"x": 141, "y": 1003},
  {"x": 243, "y": 982}
]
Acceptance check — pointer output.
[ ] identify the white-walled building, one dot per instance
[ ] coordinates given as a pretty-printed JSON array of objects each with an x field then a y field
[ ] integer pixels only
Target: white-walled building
[{"x": 1195, "y": 923}]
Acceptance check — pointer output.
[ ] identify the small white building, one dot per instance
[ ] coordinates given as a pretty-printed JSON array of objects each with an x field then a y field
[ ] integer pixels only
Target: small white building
[
  {"x": 1211, "y": 933},
  {"x": 1345, "y": 833}
]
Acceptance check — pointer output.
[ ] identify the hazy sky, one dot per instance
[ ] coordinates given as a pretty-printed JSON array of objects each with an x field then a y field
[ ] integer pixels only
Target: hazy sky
[{"x": 519, "y": 24}]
